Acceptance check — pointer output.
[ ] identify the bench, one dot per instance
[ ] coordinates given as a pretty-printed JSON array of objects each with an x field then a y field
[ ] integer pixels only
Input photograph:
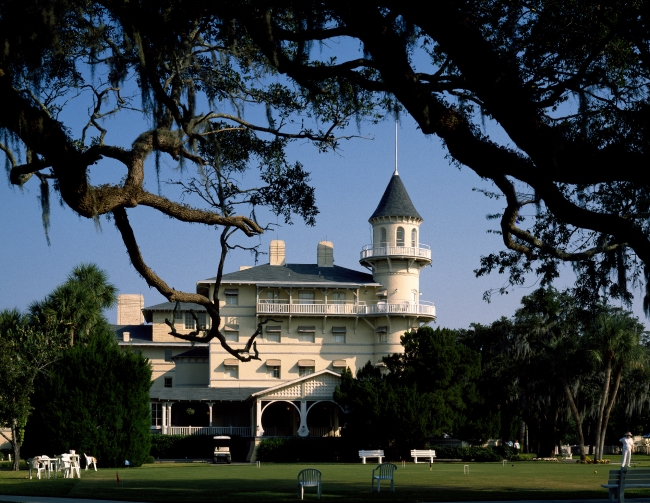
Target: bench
[
  {"x": 622, "y": 479},
  {"x": 385, "y": 471},
  {"x": 565, "y": 450},
  {"x": 379, "y": 454},
  {"x": 423, "y": 453}
]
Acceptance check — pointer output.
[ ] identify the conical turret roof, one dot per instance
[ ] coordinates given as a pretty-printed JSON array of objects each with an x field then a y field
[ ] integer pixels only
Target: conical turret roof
[{"x": 395, "y": 202}]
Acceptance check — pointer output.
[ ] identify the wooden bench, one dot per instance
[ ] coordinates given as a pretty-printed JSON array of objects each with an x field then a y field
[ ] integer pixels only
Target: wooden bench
[
  {"x": 423, "y": 453},
  {"x": 385, "y": 471},
  {"x": 379, "y": 454},
  {"x": 622, "y": 479}
]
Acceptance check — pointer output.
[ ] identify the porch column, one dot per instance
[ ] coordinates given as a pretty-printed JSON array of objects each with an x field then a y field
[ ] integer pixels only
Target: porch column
[
  {"x": 210, "y": 404},
  {"x": 303, "y": 431},
  {"x": 168, "y": 406},
  {"x": 259, "y": 431}
]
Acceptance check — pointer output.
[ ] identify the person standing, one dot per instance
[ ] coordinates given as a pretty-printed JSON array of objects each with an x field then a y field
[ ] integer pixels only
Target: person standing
[
  {"x": 628, "y": 448},
  {"x": 516, "y": 446}
]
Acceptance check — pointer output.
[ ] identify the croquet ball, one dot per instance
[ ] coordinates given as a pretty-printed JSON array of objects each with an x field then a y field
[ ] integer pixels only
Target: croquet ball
[{"x": 595, "y": 471}]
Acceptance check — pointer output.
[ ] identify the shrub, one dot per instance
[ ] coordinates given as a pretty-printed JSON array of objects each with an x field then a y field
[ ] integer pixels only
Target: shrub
[
  {"x": 149, "y": 460},
  {"x": 308, "y": 450},
  {"x": 480, "y": 454},
  {"x": 95, "y": 399}
]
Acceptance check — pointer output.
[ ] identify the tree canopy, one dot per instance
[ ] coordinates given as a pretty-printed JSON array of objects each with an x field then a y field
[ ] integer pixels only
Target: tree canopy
[{"x": 562, "y": 86}]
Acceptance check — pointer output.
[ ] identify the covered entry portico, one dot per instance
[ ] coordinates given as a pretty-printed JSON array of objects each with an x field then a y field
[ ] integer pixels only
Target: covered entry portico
[{"x": 302, "y": 407}]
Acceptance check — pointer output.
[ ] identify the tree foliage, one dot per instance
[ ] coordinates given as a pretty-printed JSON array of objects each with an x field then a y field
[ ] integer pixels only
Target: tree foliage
[
  {"x": 95, "y": 399},
  {"x": 427, "y": 391}
]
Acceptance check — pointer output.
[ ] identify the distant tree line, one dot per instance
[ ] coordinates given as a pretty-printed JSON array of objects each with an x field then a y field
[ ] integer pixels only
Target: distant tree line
[{"x": 554, "y": 373}]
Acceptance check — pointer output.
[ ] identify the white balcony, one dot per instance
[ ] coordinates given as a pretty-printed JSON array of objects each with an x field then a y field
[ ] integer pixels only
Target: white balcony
[
  {"x": 243, "y": 431},
  {"x": 422, "y": 308},
  {"x": 421, "y": 251}
]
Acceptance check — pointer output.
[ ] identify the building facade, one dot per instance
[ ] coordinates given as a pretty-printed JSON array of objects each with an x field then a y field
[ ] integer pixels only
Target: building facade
[{"x": 318, "y": 319}]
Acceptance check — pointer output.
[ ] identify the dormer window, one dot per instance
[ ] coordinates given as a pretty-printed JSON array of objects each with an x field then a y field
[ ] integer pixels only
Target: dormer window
[{"x": 400, "y": 236}]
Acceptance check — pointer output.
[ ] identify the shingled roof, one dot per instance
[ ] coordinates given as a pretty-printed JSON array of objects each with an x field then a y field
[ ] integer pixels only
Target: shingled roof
[
  {"x": 395, "y": 202},
  {"x": 297, "y": 273}
]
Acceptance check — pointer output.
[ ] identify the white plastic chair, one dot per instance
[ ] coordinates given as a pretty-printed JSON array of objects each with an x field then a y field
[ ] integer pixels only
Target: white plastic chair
[
  {"x": 385, "y": 471},
  {"x": 35, "y": 464},
  {"x": 90, "y": 460},
  {"x": 47, "y": 464},
  {"x": 309, "y": 477},
  {"x": 64, "y": 463}
]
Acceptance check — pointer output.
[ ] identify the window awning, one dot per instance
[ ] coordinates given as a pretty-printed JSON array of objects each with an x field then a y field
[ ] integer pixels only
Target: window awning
[
  {"x": 273, "y": 329},
  {"x": 339, "y": 330},
  {"x": 307, "y": 330},
  {"x": 339, "y": 364},
  {"x": 382, "y": 293},
  {"x": 273, "y": 363},
  {"x": 231, "y": 328},
  {"x": 231, "y": 291},
  {"x": 381, "y": 330},
  {"x": 306, "y": 363},
  {"x": 380, "y": 364},
  {"x": 231, "y": 362}
]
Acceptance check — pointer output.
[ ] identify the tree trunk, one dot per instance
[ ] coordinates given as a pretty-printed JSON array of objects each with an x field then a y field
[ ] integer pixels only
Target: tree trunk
[
  {"x": 608, "y": 409},
  {"x": 598, "y": 455},
  {"x": 576, "y": 417},
  {"x": 16, "y": 447}
]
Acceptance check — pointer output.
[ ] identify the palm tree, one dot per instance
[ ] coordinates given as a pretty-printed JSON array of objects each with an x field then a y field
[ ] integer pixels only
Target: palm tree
[
  {"x": 77, "y": 304},
  {"x": 614, "y": 346}
]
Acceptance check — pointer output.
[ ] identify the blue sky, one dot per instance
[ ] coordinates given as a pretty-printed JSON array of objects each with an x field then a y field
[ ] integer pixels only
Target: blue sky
[{"x": 349, "y": 185}]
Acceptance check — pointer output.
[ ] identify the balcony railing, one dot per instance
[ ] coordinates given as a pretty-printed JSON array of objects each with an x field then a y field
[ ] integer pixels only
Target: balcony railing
[
  {"x": 320, "y": 308},
  {"x": 242, "y": 431},
  {"x": 421, "y": 251}
]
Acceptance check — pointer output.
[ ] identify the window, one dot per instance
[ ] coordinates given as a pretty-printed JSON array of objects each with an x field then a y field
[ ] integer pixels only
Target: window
[
  {"x": 273, "y": 296},
  {"x": 168, "y": 382},
  {"x": 168, "y": 355},
  {"x": 273, "y": 333},
  {"x": 232, "y": 297},
  {"x": 338, "y": 297},
  {"x": 305, "y": 371},
  {"x": 232, "y": 336},
  {"x": 382, "y": 338},
  {"x": 400, "y": 236},
  {"x": 382, "y": 236},
  {"x": 305, "y": 297},
  {"x": 190, "y": 324},
  {"x": 178, "y": 314},
  {"x": 231, "y": 371},
  {"x": 306, "y": 334},
  {"x": 273, "y": 371},
  {"x": 156, "y": 415},
  {"x": 414, "y": 238},
  {"x": 338, "y": 334}
]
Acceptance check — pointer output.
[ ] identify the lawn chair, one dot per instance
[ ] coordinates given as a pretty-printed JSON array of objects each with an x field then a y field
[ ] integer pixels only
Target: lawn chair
[
  {"x": 385, "y": 471},
  {"x": 64, "y": 463},
  {"x": 309, "y": 477},
  {"x": 90, "y": 461},
  {"x": 35, "y": 464},
  {"x": 48, "y": 464}
]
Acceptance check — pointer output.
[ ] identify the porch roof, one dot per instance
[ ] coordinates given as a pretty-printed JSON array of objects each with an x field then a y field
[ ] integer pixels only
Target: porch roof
[{"x": 202, "y": 394}]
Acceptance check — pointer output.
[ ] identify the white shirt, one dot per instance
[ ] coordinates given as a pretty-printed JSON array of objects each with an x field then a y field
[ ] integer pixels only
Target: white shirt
[{"x": 628, "y": 443}]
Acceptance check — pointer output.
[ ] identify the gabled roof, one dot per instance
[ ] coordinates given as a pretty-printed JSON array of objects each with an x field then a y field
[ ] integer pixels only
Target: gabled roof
[
  {"x": 395, "y": 202},
  {"x": 292, "y": 274},
  {"x": 136, "y": 332}
]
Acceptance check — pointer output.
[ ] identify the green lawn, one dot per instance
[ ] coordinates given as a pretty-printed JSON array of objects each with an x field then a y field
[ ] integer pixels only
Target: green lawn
[{"x": 341, "y": 482}]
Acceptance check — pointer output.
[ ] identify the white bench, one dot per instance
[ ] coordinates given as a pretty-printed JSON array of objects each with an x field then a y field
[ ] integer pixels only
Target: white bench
[
  {"x": 565, "y": 450},
  {"x": 379, "y": 454},
  {"x": 619, "y": 480},
  {"x": 423, "y": 453}
]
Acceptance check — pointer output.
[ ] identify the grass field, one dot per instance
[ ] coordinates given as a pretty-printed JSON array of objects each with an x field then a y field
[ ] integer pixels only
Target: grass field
[{"x": 341, "y": 482}]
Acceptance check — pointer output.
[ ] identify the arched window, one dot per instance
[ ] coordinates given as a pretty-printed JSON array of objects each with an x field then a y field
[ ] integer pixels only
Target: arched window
[
  {"x": 414, "y": 238},
  {"x": 400, "y": 236},
  {"x": 382, "y": 237}
]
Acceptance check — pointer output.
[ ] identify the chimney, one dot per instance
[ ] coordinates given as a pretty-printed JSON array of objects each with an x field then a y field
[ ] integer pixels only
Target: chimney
[
  {"x": 277, "y": 252},
  {"x": 129, "y": 309},
  {"x": 126, "y": 336},
  {"x": 325, "y": 254}
]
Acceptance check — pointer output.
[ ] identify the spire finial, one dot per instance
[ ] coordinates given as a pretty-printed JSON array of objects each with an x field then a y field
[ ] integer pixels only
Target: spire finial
[{"x": 396, "y": 173}]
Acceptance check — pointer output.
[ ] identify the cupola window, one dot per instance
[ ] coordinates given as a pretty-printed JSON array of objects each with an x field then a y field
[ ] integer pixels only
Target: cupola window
[
  {"x": 382, "y": 236},
  {"x": 400, "y": 236},
  {"x": 414, "y": 238}
]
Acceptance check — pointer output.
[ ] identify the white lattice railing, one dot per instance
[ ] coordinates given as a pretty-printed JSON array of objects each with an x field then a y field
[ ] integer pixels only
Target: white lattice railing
[
  {"x": 421, "y": 251},
  {"x": 422, "y": 308},
  {"x": 323, "y": 431},
  {"x": 243, "y": 431}
]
